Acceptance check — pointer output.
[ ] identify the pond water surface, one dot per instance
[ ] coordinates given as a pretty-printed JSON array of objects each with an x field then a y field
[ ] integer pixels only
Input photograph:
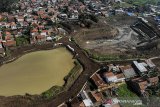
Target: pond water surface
[{"x": 35, "y": 72}]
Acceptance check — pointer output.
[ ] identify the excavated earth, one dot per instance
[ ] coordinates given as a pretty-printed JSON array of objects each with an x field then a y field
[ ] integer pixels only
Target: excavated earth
[{"x": 112, "y": 36}]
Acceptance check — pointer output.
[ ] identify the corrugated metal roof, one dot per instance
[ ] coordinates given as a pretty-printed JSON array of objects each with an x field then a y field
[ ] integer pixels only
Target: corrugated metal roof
[
  {"x": 150, "y": 63},
  {"x": 140, "y": 66}
]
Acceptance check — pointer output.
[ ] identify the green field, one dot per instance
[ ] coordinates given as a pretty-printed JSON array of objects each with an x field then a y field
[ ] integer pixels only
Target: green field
[{"x": 35, "y": 72}]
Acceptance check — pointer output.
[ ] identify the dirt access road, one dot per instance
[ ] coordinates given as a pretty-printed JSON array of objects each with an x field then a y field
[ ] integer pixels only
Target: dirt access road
[{"x": 89, "y": 67}]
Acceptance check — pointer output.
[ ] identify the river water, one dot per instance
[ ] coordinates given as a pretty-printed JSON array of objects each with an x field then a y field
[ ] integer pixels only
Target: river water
[{"x": 35, "y": 72}]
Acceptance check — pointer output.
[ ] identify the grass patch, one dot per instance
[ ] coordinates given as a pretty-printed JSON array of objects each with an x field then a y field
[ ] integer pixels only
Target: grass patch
[
  {"x": 112, "y": 57},
  {"x": 123, "y": 91},
  {"x": 73, "y": 75},
  {"x": 122, "y": 5},
  {"x": 124, "y": 94},
  {"x": 101, "y": 57},
  {"x": 52, "y": 92}
]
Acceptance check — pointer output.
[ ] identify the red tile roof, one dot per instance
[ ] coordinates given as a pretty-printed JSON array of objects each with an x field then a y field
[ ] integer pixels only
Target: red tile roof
[
  {"x": 98, "y": 80},
  {"x": 9, "y": 43},
  {"x": 8, "y": 37},
  {"x": 40, "y": 37},
  {"x": 141, "y": 83},
  {"x": 154, "y": 80},
  {"x": 97, "y": 96},
  {"x": 109, "y": 74},
  {"x": 7, "y": 33},
  {"x": 34, "y": 30}
]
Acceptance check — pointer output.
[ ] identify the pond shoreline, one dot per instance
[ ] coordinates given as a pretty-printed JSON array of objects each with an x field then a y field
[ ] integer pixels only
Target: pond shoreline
[
  {"x": 89, "y": 67},
  {"x": 19, "y": 52}
]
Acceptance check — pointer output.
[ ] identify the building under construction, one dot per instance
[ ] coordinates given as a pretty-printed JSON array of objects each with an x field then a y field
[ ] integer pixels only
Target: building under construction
[{"x": 147, "y": 34}]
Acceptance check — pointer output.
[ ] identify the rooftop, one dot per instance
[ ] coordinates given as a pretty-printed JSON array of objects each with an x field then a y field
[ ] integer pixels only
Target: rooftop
[
  {"x": 140, "y": 66},
  {"x": 98, "y": 80},
  {"x": 128, "y": 71}
]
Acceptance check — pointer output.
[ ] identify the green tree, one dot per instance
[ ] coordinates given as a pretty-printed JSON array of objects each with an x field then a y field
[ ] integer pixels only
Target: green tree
[
  {"x": 7, "y": 5},
  {"x": 22, "y": 40},
  {"x": 93, "y": 18}
]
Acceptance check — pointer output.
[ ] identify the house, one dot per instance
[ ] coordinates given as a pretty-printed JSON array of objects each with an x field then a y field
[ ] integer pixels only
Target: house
[
  {"x": 29, "y": 19},
  {"x": 74, "y": 15},
  {"x": 86, "y": 100},
  {"x": 44, "y": 32},
  {"x": 35, "y": 17},
  {"x": 110, "y": 77},
  {"x": 138, "y": 85},
  {"x": 139, "y": 67},
  {"x": 8, "y": 36},
  {"x": 29, "y": 10},
  {"x": 2, "y": 52},
  {"x": 40, "y": 13},
  {"x": 10, "y": 18},
  {"x": 20, "y": 19},
  {"x": 98, "y": 81},
  {"x": 25, "y": 24},
  {"x": 41, "y": 27},
  {"x": 150, "y": 63},
  {"x": 44, "y": 16},
  {"x": 40, "y": 38},
  {"x": 42, "y": 9},
  {"x": 96, "y": 98},
  {"x": 7, "y": 25},
  {"x": 128, "y": 71},
  {"x": 9, "y": 43},
  {"x": 153, "y": 81},
  {"x": 13, "y": 25},
  {"x": 63, "y": 16},
  {"x": 119, "y": 11},
  {"x": 61, "y": 31},
  {"x": 35, "y": 25},
  {"x": 34, "y": 32}
]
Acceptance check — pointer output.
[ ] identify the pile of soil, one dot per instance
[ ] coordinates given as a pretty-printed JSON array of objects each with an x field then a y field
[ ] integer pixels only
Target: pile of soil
[{"x": 112, "y": 36}]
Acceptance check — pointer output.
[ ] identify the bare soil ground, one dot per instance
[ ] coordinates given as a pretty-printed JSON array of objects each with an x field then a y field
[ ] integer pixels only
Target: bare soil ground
[
  {"x": 111, "y": 36},
  {"x": 157, "y": 62}
]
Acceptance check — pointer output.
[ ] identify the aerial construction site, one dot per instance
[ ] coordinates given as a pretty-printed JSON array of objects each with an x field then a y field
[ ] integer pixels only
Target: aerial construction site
[{"x": 121, "y": 35}]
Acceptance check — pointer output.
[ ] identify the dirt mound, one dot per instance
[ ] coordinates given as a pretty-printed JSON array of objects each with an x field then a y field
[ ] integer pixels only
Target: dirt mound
[
  {"x": 88, "y": 38},
  {"x": 106, "y": 32},
  {"x": 120, "y": 20},
  {"x": 111, "y": 36}
]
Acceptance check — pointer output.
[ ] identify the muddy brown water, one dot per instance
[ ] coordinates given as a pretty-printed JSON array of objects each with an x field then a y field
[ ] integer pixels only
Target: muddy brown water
[{"x": 35, "y": 72}]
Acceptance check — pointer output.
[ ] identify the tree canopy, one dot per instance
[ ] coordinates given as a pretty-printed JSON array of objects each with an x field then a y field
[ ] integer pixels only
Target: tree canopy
[{"x": 6, "y": 5}]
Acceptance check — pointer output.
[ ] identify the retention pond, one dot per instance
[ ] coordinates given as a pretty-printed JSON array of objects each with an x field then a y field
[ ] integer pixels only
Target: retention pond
[{"x": 35, "y": 72}]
